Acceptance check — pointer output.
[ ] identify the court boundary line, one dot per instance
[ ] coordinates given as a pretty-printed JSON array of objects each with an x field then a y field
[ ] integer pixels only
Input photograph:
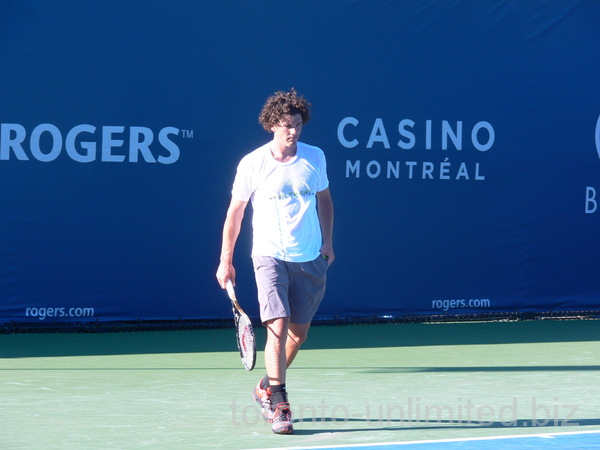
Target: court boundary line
[{"x": 433, "y": 441}]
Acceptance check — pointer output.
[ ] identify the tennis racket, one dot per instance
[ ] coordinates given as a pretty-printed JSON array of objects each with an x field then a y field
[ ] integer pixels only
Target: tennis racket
[{"x": 243, "y": 330}]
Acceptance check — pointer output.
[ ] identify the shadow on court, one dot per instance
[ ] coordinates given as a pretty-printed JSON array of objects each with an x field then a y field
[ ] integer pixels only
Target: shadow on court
[
  {"x": 477, "y": 369},
  {"x": 321, "y": 337},
  {"x": 541, "y": 426}
]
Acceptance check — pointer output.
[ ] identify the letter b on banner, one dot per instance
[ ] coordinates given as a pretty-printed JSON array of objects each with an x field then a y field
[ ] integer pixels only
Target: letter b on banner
[{"x": 591, "y": 205}]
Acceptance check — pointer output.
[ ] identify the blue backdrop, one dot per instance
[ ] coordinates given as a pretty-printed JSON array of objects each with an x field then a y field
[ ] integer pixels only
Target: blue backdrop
[{"x": 462, "y": 137}]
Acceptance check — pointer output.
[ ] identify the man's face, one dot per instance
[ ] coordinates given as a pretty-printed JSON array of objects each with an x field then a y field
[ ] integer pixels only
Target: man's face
[{"x": 287, "y": 132}]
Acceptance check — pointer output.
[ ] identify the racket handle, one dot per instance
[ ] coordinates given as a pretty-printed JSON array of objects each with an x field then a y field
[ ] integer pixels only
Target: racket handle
[{"x": 230, "y": 290}]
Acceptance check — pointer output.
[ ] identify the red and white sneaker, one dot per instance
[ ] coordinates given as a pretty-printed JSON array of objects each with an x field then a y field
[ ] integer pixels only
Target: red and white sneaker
[
  {"x": 282, "y": 419},
  {"x": 263, "y": 398}
]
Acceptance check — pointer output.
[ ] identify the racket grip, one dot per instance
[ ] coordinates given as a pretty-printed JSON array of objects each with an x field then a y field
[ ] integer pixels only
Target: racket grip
[{"x": 230, "y": 290}]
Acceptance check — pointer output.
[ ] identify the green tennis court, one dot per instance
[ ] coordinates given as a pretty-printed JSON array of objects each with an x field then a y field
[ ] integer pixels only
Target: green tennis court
[{"x": 350, "y": 385}]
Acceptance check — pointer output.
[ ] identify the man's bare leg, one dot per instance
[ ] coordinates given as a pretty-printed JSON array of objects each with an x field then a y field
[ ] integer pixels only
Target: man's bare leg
[
  {"x": 275, "y": 350},
  {"x": 296, "y": 337},
  {"x": 276, "y": 364}
]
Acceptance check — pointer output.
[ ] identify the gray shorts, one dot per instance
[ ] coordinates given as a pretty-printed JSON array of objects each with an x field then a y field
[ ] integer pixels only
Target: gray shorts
[{"x": 289, "y": 289}]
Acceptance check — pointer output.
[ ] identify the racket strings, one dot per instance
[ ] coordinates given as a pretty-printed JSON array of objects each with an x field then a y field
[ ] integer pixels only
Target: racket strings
[{"x": 246, "y": 342}]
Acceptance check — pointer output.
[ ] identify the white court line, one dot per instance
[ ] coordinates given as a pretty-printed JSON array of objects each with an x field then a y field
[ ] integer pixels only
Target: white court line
[{"x": 487, "y": 438}]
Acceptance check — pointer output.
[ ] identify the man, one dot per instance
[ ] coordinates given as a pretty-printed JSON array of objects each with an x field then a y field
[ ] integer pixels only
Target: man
[{"x": 286, "y": 181}]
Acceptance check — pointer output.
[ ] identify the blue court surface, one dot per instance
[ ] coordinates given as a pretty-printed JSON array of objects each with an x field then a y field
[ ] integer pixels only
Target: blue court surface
[{"x": 566, "y": 441}]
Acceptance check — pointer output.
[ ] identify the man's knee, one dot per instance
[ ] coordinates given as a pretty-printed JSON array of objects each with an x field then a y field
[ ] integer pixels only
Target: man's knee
[
  {"x": 298, "y": 334},
  {"x": 277, "y": 328}
]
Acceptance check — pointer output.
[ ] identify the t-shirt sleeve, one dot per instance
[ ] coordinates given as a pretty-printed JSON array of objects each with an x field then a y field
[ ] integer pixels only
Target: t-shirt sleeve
[
  {"x": 323, "y": 182},
  {"x": 242, "y": 188}
]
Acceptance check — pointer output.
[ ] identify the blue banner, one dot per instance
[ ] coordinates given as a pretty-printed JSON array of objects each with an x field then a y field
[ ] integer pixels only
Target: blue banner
[{"x": 462, "y": 141}]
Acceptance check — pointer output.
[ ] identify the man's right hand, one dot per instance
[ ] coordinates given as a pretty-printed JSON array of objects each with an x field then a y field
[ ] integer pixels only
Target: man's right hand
[{"x": 225, "y": 272}]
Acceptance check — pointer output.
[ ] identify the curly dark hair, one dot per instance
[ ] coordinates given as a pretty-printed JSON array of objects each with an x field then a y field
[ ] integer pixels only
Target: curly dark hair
[{"x": 283, "y": 103}]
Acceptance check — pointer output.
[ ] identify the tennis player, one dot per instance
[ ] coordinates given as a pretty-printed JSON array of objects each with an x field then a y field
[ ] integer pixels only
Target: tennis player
[{"x": 286, "y": 182}]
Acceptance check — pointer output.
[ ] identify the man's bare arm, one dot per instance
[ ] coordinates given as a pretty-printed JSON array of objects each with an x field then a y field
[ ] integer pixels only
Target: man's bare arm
[
  {"x": 231, "y": 231},
  {"x": 325, "y": 211}
]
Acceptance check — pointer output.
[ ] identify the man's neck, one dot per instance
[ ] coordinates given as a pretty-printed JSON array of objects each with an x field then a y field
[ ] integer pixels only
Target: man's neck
[{"x": 284, "y": 154}]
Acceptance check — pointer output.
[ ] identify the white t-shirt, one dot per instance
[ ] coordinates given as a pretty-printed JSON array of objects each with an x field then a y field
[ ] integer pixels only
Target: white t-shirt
[{"x": 285, "y": 221}]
